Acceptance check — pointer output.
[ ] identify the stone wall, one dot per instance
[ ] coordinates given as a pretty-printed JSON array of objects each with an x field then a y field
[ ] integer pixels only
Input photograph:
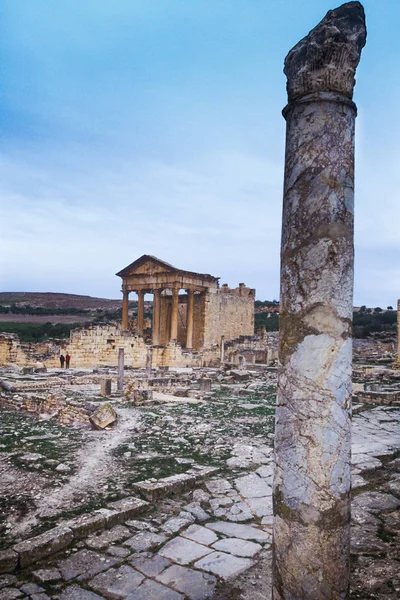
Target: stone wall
[
  {"x": 64, "y": 410},
  {"x": 99, "y": 346},
  {"x": 12, "y": 351},
  {"x": 228, "y": 313}
]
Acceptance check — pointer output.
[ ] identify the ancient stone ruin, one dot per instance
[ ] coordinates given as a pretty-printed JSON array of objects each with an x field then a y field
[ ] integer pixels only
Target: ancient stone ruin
[
  {"x": 313, "y": 418},
  {"x": 206, "y": 325}
]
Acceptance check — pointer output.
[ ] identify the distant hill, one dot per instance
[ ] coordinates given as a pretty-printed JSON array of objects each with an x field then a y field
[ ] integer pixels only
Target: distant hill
[{"x": 51, "y": 300}]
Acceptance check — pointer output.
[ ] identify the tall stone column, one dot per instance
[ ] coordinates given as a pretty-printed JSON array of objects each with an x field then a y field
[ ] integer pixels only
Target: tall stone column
[
  {"x": 140, "y": 311},
  {"x": 174, "y": 315},
  {"x": 189, "y": 319},
  {"x": 156, "y": 317},
  {"x": 311, "y": 545},
  {"x": 120, "y": 383},
  {"x": 125, "y": 309},
  {"x": 396, "y": 364}
]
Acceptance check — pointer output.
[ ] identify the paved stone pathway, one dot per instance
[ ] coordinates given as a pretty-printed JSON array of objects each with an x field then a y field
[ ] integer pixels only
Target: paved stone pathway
[{"x": 215, "y": 534}]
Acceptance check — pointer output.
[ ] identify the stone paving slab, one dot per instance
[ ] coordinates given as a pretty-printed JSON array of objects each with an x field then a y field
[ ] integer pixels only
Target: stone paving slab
[
  {"x": 236, "y": 530},
  {"x": 197, "y": 511},
  {"x": 10, "y": 594},
  {"x": 200, "y": 534},
  {"x": 376, "y": 502},
  {"x": 145, "y": 540},
  {"x": 117, "y": 583},
  {"x": 218, "y": 486},
  {"x": 196, "y": 585},
  {"x": 8, "y": 561},
  {"x": 103, "y": 540},
  {"x": 183, "y": 551},
  {"x": 74, "y": 592},
  {"x": 261, "y": 507},
  {"x": 46, "y": 575},
  {"x": 224, "y": 565},
  {"x": 150, "y": 566},
  {"x": 238, "y": 547},
  {"x": 85, "y": 564},
  {"x": 175, "y": 524},
  {"x": 253, "y": 486},
  {"x": 151, "y": 590}
]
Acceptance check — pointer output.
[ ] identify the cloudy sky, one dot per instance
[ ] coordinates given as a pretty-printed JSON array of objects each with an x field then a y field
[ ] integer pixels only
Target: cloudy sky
[{"x": 154, "y": 127}]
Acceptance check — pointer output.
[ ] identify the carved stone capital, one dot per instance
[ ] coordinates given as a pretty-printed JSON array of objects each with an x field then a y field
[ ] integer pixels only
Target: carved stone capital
[{"x": 327, "y": 58}]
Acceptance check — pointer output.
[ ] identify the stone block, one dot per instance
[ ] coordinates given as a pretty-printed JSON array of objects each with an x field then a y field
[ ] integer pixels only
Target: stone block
[
  {"x": 84, "y": 525},
  {"x": 128, "y": 508},
  {"x": 48, "y": 543},
  {"x": 103, "y": 416},
  {"x": 105, "y": 387},
  {"x": 8, "y": 561},
  {"x": 205, "y": 384},
  {"x": 175, "y": 484}
]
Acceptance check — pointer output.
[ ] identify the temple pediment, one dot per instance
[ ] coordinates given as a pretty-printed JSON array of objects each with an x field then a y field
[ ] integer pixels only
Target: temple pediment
[
  {"x": 151, "y": 270},
  {"x": 147, "y": 265}
]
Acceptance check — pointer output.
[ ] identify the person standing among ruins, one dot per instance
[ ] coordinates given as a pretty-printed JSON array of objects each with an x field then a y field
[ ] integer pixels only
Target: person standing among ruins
[
  {"x": 67, "y": 359},
  {"x": 62, "y": 360}
]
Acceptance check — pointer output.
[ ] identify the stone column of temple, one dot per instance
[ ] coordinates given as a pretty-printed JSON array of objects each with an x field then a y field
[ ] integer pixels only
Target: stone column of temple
[
  {"x": 189, "y": 319},
  {"x": 156, "y": 317},
  {"x": 149, "y": 361},
  {"x": 120, "y": 383},
  {"x": 222, "y": 349},
  {"x": 125, "y": 309},
  {"x": 174, "y": 315},
  {"x": 140, "y": 311},
  {"x": 311, "y": 545}
]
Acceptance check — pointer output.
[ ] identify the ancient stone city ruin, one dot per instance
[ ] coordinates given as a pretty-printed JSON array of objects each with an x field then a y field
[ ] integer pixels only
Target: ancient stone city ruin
[{"x": 145, "y": 470}]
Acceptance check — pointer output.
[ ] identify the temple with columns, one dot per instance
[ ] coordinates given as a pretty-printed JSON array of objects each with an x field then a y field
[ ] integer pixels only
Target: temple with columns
[{"x": 198, "y": 317}]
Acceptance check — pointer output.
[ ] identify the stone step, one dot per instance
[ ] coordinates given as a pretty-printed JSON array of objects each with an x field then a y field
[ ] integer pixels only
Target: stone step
[{"x": 152, "y": 489}]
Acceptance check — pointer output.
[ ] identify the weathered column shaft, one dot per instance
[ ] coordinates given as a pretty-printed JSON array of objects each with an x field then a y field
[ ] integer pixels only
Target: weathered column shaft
[
  {"x": 222, "y": 349},
  {"x": 156, "y": 317},
  {"x": 313, "y": 426},
  {"x": 174, "y": 315},
  {"x": 149, "y": 361},
  {"x": 120, "y": 385},
  {"x": 140, "y": 312},
  {"x": 125, "y": 309},
  {"x": 189, "y": 319},
  {"x": 397, "y": 359}
]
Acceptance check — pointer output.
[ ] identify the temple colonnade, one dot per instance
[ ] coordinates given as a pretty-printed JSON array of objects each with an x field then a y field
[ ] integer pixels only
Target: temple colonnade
[{"x": 156, "y": 320}]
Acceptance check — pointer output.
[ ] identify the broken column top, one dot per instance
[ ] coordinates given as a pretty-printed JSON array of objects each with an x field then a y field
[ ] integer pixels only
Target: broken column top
[{"x": 327, "y": 58}]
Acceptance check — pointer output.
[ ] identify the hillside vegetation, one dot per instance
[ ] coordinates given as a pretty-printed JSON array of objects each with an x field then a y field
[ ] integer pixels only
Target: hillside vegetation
[{"x": 37, "y": 316}]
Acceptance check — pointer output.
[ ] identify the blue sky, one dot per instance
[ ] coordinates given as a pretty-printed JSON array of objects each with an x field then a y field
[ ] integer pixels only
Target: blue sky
[{"x": 135, "y": 127}]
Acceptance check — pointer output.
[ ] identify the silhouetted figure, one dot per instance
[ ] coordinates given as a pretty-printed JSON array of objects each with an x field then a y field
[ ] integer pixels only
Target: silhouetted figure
[
  {"x": 62, "y": 360},
  {"x": 67, "y": 359}
]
